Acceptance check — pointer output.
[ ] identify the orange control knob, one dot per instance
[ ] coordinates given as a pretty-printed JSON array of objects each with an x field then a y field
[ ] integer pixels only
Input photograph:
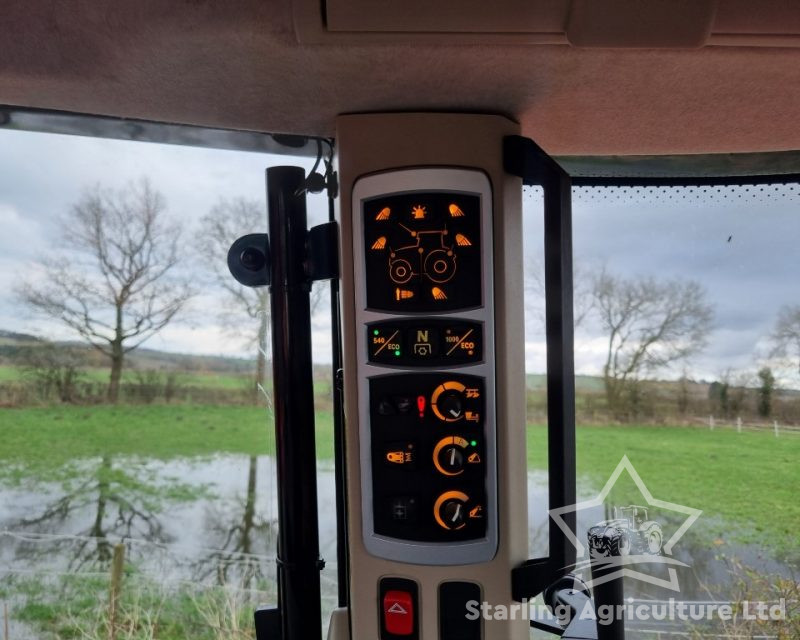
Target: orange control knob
[
  {"x": 447, "y": 401},
  {"x": 450, "y": 455},
  {"x": 450, "y": 510}
]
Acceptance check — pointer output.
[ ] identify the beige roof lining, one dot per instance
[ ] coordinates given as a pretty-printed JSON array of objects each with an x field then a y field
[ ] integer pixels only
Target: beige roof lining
[{"x": 240, "y": 66}]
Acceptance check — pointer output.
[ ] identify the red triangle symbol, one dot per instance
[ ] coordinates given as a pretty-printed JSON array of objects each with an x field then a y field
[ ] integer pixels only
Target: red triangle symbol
[{"x": 397, "y": 608}]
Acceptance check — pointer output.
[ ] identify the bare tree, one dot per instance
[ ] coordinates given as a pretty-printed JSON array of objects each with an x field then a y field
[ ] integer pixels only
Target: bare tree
[
  {"x": 582, "y": 298},
  {"x": 116, "y": 284},
  {"x": 245, "y": 311},
  {"x": 787, "y": 334},
  {"x": 650, "y": 324}
]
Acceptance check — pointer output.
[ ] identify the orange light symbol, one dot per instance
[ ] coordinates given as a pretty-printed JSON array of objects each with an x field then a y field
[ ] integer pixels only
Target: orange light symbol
[
  {"x": 476, "y": 511},
  {"x": 384, "y": 214},
  {"x": 379, "y": 244},
  {"x": 419, "y": 212},
  {"x": 438, "y": 294},
  {"x": 403, "y": 294},
  {"x": 462, "y": 240},
  {"x": 455, "y": 211}
]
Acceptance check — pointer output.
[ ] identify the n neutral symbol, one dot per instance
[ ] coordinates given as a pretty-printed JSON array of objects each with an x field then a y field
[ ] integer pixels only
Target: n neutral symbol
[{"x": 422, "y": 335}]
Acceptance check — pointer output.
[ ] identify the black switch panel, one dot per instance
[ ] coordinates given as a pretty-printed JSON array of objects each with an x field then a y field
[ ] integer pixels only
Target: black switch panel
[
  {"x": 428, "y": 456},
  {"x": 425, "y": 342},
  {"x": 453, "y": 600}
]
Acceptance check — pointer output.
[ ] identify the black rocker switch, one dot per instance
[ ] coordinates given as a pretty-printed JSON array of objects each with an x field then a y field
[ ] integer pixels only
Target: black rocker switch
[{"x": 453, "y": 611}]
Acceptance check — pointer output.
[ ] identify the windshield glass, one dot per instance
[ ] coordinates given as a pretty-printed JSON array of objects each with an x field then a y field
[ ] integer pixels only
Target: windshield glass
[{"x": 687, "y": 318}]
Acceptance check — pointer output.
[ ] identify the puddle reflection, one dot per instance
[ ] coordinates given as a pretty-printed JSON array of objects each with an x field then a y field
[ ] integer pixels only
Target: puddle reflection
[{"x": 213, "y": 521}]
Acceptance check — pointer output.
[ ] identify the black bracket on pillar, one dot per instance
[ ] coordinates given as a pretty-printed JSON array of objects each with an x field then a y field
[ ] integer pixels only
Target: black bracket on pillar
[
  {"x": 289, "y": 259},
  {"x": 523, "y": 158}
]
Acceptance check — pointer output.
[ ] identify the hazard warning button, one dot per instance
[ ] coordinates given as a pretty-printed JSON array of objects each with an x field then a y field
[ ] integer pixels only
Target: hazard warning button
[{"x": 398, "y": 613}]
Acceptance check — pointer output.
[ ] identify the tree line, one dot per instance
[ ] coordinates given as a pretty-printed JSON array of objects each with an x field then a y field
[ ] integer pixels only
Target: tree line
[
  {"x": 123, "y": 271},
  {"x": 651, "y": 325}
]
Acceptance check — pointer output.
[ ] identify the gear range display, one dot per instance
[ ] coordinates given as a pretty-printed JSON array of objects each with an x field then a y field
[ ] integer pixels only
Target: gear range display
[{"x": 423, "y": 252}]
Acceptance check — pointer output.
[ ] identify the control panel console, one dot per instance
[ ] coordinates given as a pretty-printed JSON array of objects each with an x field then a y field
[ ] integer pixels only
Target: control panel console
[{"x": 424, "y": 300}]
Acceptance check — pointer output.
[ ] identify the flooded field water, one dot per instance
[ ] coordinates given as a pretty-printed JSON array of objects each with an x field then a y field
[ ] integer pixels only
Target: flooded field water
[{"x": 210, "y": 523}]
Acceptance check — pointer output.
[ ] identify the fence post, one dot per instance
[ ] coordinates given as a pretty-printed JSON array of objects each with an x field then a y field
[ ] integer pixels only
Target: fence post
[
  {"x": 117, "y": 565},
  {"x": 775, "y": 426},
  {"x": 5, "y": 621},
  {"x": 738, "y": 424},
  {"x": 711, "y": 422}
]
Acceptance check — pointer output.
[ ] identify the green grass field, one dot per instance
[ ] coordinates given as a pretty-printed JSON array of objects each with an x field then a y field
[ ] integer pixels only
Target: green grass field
[
  {"x": 749, "y": 480},
  {"x": 9, "y": 374},
  {"x": 38, "y": 439}
]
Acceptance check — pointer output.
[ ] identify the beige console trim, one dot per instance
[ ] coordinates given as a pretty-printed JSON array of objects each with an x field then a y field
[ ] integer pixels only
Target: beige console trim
[{"x": 376, "y": 142}]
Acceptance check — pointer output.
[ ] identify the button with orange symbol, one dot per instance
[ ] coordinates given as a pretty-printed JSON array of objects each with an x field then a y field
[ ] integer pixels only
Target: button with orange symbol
[{"x": 400, "y": 454}]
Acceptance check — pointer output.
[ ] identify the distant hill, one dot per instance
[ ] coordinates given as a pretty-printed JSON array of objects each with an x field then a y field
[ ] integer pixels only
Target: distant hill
[
  {"x": 12, "y": 338},
  {"x": 13, "y": 345},
  {"x": 592, "y": 384}
]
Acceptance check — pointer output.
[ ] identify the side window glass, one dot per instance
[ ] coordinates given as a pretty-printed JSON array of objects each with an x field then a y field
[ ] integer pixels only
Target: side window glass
[{"x": 137, "y": 475}]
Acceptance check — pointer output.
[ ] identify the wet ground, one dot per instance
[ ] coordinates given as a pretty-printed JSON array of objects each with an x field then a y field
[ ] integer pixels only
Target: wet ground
[{"x": 212, "y": 521}]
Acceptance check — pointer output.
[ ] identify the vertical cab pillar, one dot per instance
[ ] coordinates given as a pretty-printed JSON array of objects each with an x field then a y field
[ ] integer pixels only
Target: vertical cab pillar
[{"x": 434, "y": 389}]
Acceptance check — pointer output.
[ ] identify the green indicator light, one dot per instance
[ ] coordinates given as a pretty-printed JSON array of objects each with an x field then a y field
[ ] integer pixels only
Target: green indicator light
[
  {"x": 375, "y": 332},
  {"x": 473, "y": 442},
  {"x": 397, "y": 353}
]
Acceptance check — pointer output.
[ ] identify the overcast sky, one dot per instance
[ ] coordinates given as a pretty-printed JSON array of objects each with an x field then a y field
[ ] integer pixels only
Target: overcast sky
[
  {"x": 739, "y": 243},
  {"x": 742, "y": 246}
]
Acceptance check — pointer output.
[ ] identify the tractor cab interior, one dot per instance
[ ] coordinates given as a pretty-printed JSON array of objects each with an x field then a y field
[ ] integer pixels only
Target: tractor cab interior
[{"x": 551, "y": 385}]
